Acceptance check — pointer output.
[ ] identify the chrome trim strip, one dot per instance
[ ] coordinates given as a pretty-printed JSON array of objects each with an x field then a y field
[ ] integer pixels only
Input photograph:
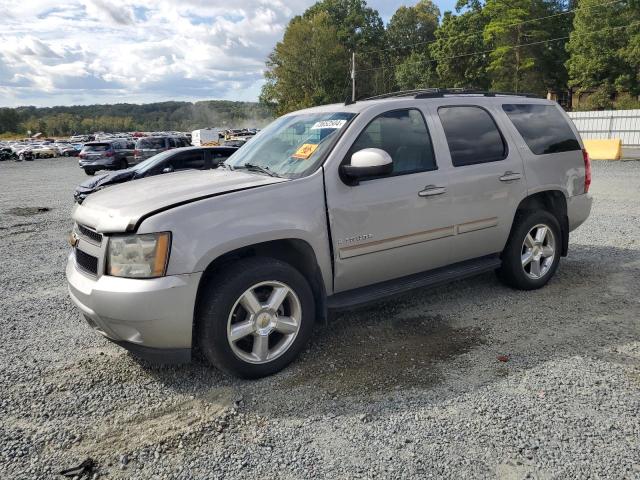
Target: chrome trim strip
[
  {"x": 395, "y": 242},
  {"x": 477, "y": 225},
  {"x": 418, "y": 237}
]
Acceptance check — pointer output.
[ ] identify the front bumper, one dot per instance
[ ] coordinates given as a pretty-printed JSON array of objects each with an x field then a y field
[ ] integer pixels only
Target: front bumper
[
  {"x": 151, "y": 317},
  {"x": 578, "y": 209}
]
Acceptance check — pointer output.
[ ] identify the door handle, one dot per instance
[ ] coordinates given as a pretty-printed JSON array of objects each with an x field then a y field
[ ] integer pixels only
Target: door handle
[
  {"x": 431, "y": 190},
  {"x": 510, "y": 176}
]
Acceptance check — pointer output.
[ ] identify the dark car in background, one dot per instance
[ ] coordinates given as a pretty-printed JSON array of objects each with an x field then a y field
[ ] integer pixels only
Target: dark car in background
[
  {"x": 194, "y": 158},
  {"x": 147, "y": 147},
  {"x": 113, "y": 154}
]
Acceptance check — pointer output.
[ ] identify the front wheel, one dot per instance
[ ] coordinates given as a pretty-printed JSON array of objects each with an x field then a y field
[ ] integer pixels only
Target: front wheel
[
  {"x": 532, "y": 254},
  {"x": 255, "y": 317}
]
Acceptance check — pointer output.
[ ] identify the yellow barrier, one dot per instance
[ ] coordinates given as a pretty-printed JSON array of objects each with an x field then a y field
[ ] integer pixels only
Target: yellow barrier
[{"x": 600, "y": 149}]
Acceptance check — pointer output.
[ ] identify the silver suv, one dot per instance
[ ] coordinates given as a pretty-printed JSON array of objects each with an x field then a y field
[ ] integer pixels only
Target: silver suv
[{"x": 329, "y": 208}]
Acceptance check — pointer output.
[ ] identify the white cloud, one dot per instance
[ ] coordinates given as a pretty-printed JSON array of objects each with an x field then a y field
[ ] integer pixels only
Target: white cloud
[{"x": 105, "y": 51}]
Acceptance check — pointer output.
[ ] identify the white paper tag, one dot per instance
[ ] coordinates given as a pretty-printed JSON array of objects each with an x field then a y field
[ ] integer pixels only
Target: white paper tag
[{"x": 328, "y": 124}]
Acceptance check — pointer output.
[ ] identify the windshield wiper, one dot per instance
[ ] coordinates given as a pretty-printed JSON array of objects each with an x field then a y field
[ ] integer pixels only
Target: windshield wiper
[{"x": 257, "y": 168}]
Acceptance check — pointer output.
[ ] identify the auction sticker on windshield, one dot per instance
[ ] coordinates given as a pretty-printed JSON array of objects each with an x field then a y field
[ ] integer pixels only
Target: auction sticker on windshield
[
  {"x": 305, "y": 151},
  {"x": 334, "y": 124}
]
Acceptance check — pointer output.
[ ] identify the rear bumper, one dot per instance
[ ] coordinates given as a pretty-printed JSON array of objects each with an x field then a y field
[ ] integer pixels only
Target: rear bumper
[
  {"x": 151, "y": 317},
  {"x": 578, "y": 209}
]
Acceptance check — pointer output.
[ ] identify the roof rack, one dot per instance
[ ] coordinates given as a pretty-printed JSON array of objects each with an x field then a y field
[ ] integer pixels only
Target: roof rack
[{"x": 441, "y": 92}]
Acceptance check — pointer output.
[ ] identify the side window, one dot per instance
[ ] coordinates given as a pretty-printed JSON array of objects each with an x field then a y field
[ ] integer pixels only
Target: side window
[
  {"x": 188, "y": 160},
  {"x": 472, "y": 135},
  {"x": 403, "y": 134},
  {"x": 220, "y": 156},
  {"x": 543, "y": 128},
  {"x": 171, "y": 143}
]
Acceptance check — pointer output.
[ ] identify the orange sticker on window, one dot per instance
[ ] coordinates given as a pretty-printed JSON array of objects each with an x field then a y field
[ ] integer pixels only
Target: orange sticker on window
[{"x": 305, "y": 151}]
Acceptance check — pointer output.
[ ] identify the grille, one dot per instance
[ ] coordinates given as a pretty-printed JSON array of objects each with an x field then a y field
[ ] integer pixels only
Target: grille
[
  {"x": 94, "y": 237},
  {"x": 87, "y": 262}
]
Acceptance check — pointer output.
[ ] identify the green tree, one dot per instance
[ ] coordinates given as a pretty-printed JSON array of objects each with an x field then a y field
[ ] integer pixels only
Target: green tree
[
  {"x": 513, "y": 64},
  {"x": 308, "y": 67},
  {"x": 598, "y": 64},
  {"x": 459, "y": 39}
]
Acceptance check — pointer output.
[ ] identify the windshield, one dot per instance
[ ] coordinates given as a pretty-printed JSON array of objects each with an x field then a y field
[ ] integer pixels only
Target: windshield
[{"x": 291, "y": 146}]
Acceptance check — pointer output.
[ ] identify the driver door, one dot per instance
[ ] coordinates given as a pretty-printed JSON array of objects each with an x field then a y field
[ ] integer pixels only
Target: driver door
[{"x": 396, "y": 225}]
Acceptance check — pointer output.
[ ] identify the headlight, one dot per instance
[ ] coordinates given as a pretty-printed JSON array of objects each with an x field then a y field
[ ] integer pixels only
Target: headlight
[{"x": 139, "y": 256}]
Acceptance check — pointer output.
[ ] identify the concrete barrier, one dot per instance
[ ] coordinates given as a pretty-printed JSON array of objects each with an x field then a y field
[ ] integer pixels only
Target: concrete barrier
[{"x": 601, "y": 149}]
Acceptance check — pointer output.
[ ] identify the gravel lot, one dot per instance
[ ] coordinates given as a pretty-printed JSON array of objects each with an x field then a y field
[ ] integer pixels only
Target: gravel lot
[{"x": 406, "y": 389}]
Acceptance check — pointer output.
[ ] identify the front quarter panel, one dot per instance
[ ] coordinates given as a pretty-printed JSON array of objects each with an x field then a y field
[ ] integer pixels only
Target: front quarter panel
[{"x": 207, "y": 229}]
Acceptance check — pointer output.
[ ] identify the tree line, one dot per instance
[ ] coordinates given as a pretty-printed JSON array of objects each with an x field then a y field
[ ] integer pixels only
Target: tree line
[
  {"x": 589, "y": 47},
  {"x": 178, "y": 116}
]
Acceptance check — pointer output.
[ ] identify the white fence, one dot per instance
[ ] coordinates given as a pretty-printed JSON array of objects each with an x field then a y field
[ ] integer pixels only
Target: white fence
[{"x": 623, "y": 124}]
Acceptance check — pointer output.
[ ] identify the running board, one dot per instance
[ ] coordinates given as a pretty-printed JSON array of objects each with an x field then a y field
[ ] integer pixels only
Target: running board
[{"x": 431, "y": 278}]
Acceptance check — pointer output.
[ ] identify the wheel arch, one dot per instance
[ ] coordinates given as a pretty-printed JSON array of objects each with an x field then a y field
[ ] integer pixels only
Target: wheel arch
[
  {"x": 555, "y": 202},
  {"x": 296, "y": 252}
]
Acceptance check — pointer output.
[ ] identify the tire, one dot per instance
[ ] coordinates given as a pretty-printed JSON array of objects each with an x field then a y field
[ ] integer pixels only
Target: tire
[
  {"x": 530, "y": 265},
  {"x": 220, "y": 308},
  {"x": 89, "y": 172},
  {"x": 122, "y": 164}
]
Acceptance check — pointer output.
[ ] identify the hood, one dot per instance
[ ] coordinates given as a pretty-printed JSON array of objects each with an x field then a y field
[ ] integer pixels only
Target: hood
[
  {"x": 121, "y": 207},
  {"x": 97, "y": 182}
]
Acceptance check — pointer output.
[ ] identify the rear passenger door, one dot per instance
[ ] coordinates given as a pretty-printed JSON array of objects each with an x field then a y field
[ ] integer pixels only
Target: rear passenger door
[{"x": 487, "y": 180}]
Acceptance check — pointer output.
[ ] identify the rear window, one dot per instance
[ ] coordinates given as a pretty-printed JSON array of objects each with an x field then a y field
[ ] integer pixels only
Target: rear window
[
  {"x": 543, "y": 128},
  {"x": 96, "y": 147},
  {"x": 152, "y": 143},
  {"x": 472, "y": 135}
]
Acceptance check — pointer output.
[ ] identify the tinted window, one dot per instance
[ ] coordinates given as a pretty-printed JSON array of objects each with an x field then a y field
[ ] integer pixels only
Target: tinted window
[
  {"x": 187, "y": 160},
  {"x": 543, "y": 128},
  {"x": 472, "y": 135},
  {"x": 402, "y": 134}
]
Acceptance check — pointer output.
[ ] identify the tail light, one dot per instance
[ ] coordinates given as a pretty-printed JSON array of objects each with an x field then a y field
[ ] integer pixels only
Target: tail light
[
  {"x": 109, "y": 153},
  {"x": 81, "y": 155},
  {"x": 136, "y": 153},
  {"x": 587, "y": 170}
]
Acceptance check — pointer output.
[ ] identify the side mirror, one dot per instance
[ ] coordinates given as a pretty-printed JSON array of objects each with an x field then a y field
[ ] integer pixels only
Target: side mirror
[
  {"x": 369, "y": 162},
  {"x": 167, "y": 170}
]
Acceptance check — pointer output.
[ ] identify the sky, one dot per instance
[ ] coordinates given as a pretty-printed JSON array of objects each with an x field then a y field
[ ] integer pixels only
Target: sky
[{"x": 72, "y": 52}]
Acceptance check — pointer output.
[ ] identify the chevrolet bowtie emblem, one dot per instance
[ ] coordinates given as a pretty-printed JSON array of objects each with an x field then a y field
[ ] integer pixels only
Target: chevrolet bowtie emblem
[{"x": 73, "y": 239}]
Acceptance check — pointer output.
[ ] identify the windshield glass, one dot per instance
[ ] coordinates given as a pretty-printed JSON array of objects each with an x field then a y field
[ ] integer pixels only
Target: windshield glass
[
  {"x": 152, "y": 143},
  {"x": 291, "y": 146}
]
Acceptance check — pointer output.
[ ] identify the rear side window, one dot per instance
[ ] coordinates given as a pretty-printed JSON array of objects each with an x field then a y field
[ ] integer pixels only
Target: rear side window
[
  {"x": 404, "y": 136},
  {"x": 472, "y": 135},
  {"x": 543, "y": 128}
]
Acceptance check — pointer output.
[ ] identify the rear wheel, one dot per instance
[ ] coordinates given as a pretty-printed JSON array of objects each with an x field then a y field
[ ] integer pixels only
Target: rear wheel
[
  {"x": 123, "y": 164},
  {"x": 532, "y": 254},
  {"x": 255, "y": 317},
  {"x": 89, "y": 171}
]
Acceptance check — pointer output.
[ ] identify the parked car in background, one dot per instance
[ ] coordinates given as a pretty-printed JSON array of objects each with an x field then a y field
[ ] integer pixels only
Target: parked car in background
[
  {"x": 147, "y": 147},
  {"x": 6, "y": 153},
  {"x": 106, "y": 155},
  {"x": 186, "y": 158},
  {"x": 68, "y": 151},
  {"x": 44, "y": 151}
]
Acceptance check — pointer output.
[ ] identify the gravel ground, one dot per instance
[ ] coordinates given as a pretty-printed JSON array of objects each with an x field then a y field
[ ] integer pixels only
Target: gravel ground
[{"x": 409, "y": 388}]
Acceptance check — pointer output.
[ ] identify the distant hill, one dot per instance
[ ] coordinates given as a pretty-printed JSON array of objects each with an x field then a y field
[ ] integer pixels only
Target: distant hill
[{"x": 180, "y": 116}]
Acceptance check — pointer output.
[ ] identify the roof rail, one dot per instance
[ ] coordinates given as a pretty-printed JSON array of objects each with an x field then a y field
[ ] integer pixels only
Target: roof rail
[{"x": 441, "y": 92}]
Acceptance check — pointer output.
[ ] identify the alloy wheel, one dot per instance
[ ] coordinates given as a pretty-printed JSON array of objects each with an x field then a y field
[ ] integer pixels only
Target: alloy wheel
[
  {"x": 538, "y": 251},
  {"x": 264, "y": 322}
]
